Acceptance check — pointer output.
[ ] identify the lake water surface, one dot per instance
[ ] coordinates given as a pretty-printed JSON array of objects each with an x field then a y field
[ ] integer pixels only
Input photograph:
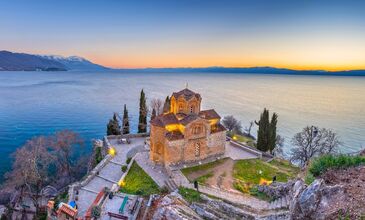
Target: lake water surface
[{"x": 34, "y": 103}]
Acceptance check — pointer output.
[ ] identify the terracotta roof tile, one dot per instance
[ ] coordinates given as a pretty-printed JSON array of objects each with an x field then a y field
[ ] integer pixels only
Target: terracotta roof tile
[
  {"x": 188, "y": 119},
  {"x": 67, "y": 209},
  {"x": 166, "y": 119},
  {"x": 209, "y": 114},
  {"x": 218, "y": 128},
  {"x": 187, "y": 93}
]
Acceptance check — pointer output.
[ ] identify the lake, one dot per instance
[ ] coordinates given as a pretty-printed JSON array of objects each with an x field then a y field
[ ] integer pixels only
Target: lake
[{"x": 35, "y": 103}]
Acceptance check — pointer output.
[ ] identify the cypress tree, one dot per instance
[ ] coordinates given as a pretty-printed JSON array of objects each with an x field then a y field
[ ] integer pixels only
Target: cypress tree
[
  {"x": 142, "y": 122},
  {"x": 263, "y": 131},
  {"x": 153, "y": 115},
  {"x": 113, "y": 127},
  {"x": 166, "y": 105},
  {"x": 272, "y": 133},
  {"x": 125, "y": 120}
]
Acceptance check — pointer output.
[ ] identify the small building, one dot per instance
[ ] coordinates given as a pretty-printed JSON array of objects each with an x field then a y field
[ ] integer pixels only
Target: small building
[
  {"x": 186, "y": 133},
  {"x": 65, "y": 211}
]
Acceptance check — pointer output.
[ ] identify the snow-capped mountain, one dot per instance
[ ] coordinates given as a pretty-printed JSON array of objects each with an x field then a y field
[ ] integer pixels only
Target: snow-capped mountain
[
  {"x": 74, "y": 62},
  {"x": 26, "y": 62},
  {"x": 10, "y": 61}
]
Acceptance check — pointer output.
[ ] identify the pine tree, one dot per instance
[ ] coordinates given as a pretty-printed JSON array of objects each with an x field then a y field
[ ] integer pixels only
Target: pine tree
[
  {"x": 272, "y": 133},
  {"x": 263, "y": 131},
  {"x": 166, "y": 106},
  {"x": 113, "y": 127},
  {"x": 142, "y": 122},
  {"x": 153, "y": 115},
  {"x": 125, "y": 120}
]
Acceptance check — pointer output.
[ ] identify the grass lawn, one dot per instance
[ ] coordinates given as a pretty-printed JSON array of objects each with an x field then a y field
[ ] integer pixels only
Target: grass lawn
[
  {"x": 189, "y": 170},
  {"x": 285, "y": 165},
  {"x": 203, "y": 179},
  {"x": 138, "y": 182},
  {"x": 189, "y": 195},
  {"x": 242, "y": 138},
  {"x": 248, "y": 171}
]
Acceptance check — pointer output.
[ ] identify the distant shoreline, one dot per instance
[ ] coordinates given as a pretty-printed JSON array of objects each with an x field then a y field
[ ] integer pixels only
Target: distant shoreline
[{"x": 265, "y": 71}]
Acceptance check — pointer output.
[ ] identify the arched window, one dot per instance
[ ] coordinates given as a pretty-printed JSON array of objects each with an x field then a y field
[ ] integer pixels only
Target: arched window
[
  {"x": 197, "y": 149},
  {"x": 181, "y": 107},
  {"x": 197, "y": 129}
]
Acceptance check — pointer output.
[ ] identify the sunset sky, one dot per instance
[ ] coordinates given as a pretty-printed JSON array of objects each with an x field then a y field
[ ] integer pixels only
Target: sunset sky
[{"x": 299, "y": 34}]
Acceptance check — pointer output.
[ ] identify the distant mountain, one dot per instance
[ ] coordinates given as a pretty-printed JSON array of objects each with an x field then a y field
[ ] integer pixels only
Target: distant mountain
[
  {"x": 27, "y": 62},
  {"x": 243, "y": 70},
  {"x": 75, "y": 62}
]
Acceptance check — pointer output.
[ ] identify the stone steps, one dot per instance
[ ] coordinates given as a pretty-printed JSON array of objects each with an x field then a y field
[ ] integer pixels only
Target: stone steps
[
  {"x": 170, "y": 184},
  {"x": 210, "y": 212},
  {"x": 280, "y": 203}
]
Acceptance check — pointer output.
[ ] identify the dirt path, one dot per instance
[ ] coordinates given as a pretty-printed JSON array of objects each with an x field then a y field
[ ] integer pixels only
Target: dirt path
[{"x": 222, "y": 175}]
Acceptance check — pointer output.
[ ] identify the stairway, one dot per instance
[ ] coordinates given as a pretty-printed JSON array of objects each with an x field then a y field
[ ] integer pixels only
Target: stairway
[
  {"x": 171, "y": 185},
  {"x": 280, "y": 203}
]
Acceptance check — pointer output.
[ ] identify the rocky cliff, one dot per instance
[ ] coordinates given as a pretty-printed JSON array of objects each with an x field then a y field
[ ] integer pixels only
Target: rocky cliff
[{"x": 336, "y": 194}]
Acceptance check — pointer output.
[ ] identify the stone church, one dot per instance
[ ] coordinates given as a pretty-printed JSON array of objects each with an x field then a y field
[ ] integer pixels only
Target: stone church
[{"x": 186, "y": 133}]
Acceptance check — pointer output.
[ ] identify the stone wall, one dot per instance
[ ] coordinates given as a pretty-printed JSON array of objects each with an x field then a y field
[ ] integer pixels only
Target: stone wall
[
  {"x": 157, "y": 144},
  {"x": 217, "y": 142},
  {"x": 78, "y": 185}
]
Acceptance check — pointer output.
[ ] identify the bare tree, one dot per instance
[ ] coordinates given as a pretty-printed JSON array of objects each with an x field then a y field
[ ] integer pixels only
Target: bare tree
[
  {"x": 232, "y": 124},
  {"x": 63, "y": 144},
  {"x": 157, "y": 104},
  {"x": 31, "y": 168},
  {"x": 312, "y": 142},
  {"x": 248, "y": 129}
]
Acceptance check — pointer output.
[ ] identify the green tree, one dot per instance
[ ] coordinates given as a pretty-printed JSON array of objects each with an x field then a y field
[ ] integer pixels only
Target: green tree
[
  {"x": 142, "y": 122},
  {"x": 266, "y": 133},
  {"x": 113, "y": 127},
  {"x": 272, "y": 132},
  {"x": 125, "y": 120},
  {"x": 263, "y": 131},
  {"x": 166, "y": 106}
]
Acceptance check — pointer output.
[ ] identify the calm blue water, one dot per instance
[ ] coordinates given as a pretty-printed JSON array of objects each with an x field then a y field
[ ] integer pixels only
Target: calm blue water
[{"x": 34, "y": 103}]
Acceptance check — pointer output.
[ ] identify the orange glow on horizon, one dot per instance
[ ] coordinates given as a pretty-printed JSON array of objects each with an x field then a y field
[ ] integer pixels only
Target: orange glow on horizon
[{"x": 133, "y": 64}]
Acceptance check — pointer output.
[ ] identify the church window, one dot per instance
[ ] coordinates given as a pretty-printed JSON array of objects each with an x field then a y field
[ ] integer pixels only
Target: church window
[
  {"x": 197, "y": 129},
  {"x": 197, "y": 149},
  {"x": 181, "y": 108}
]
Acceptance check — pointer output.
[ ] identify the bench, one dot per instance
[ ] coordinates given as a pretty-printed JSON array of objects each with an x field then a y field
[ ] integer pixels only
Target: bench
[{"x": 121, "y": 209}]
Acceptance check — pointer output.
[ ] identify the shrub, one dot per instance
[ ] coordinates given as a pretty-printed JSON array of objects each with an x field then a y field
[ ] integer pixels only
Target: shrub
[
  {"x": 96, "y": 211},
  {"x": 98, "y": 156},
  {"x": 164, "y": 190},
  {"x": 323, "y": 163},
  {"x": 309, "y": 178},
  {"x": 260, "y": 195},
  {"x": 124, "y": 168},
  {"x": 128, "y": 160}
]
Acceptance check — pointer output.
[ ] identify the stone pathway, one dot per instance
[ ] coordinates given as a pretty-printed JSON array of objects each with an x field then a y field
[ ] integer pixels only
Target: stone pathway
[
  {"x": 109, "y": 174},
  {"x": 238, "y": 153}
]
